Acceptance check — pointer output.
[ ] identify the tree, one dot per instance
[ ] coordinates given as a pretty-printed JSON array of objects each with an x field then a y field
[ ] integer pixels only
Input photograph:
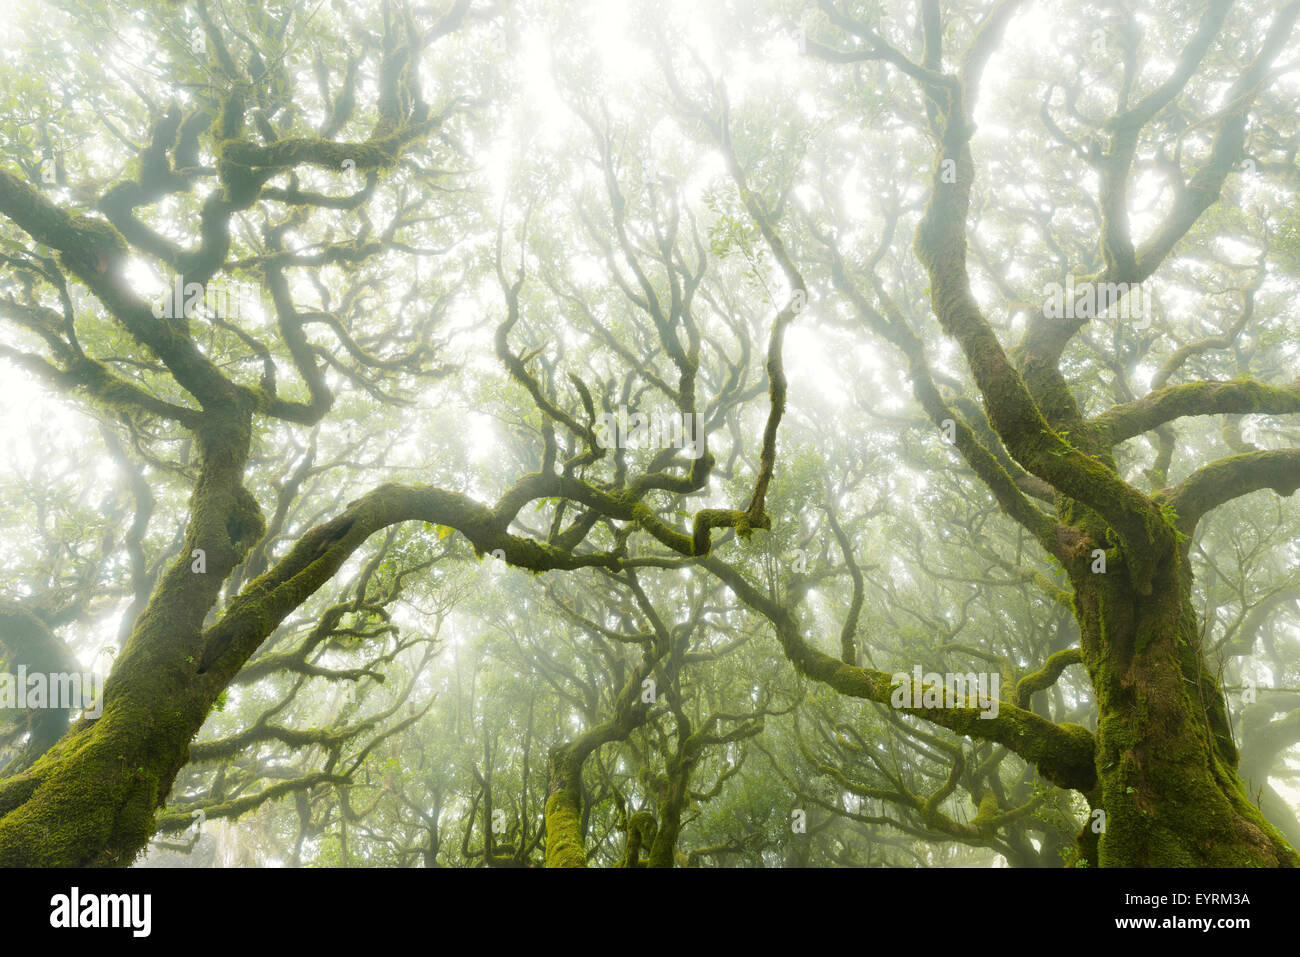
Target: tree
[
  {"x": 462, "y": 483},
  {"x": 1163, "y": 764}
]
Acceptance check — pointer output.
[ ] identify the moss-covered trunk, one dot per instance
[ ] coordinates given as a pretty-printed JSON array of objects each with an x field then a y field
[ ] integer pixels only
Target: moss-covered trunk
[
  {"x": 1166, "y": 761},
  {"x": 564, "y": 844},
  {"x": 91, "y": 799},
  {"x": 663, "y": 851}
]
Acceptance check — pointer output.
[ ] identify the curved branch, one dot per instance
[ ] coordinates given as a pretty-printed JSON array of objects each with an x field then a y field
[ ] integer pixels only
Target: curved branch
[{"x": 1219, "y": 482}]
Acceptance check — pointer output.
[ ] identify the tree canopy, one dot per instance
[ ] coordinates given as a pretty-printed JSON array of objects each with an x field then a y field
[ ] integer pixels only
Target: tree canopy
[{"x": 567, "y": 433}]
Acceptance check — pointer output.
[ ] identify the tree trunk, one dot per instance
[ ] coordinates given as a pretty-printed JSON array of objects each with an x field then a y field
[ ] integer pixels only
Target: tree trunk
[
  {"x": 1166, "y": 762},
  {"x": 564, "y": 844},
  {"x": 92, "y": 798}
]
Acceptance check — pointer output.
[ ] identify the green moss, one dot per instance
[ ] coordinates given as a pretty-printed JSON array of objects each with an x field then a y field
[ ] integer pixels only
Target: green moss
[
  {"x": 564, "y": 831},
  {"x": 1169, "y": 789}
]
